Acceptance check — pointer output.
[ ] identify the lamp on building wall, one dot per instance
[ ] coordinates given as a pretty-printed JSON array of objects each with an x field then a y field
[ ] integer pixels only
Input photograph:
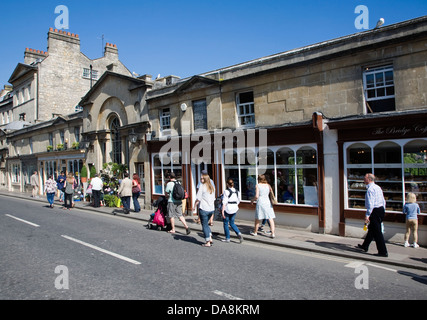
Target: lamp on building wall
[
  {"x": 85, "y": 144},
  {"x": 133, "y": 137}
]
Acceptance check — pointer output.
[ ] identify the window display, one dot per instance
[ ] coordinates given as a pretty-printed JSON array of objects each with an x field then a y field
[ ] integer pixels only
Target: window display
[{"x": 394, "y": 176}]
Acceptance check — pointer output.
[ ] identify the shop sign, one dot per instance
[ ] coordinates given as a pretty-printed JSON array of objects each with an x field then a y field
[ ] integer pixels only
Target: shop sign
[{"x": 401, "y": 131}]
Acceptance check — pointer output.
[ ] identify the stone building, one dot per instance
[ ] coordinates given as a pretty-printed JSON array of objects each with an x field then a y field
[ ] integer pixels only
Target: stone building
[
  {"x": 52, "y": 82},
  {"x": 305, "y": 118},
  {"x": 41, "y": 119}
]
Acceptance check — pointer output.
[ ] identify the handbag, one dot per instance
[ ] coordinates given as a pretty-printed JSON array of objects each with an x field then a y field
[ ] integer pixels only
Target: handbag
[
  {"x": 136, "y": 189},
  {"x": 272, "y": 197}
]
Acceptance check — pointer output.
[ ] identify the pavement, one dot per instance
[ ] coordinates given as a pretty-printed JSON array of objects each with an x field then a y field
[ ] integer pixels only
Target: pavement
[{"x": 398, "y": 255}]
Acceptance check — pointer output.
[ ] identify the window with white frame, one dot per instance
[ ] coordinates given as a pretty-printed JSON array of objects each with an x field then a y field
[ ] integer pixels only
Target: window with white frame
[
  {"x": 163, "y": 164},
  {"x": 399, "y": 166},
  {"x": 290, "y": 170},
  {"x": 165, "y": 119},
  {"x": 245, "y": 109},
  {"x": 141, "y": 175},
  {"x": 15, "y": 173},
  {"x": 378, "y": 85},
  {"x": 87, "y": 71}
]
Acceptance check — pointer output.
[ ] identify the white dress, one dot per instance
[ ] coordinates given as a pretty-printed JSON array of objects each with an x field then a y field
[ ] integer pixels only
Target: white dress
[{"x": 264, "y": 209}]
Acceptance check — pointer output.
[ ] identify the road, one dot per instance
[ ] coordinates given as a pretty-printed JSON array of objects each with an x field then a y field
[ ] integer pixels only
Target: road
[{"x": 54, "y": 254}]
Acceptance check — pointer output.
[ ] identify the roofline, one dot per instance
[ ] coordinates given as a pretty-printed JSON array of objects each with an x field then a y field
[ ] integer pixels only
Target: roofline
[
  {"x": 328, "y": 43},
  {"x": 107, "y": 73}
]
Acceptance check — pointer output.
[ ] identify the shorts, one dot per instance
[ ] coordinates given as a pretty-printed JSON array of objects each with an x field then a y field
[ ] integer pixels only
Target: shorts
[{"x": 174, "y": 210}]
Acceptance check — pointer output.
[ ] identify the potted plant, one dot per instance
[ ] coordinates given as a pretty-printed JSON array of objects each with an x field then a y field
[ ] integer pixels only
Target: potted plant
[
  {"x": 75, "y": 145},
  {"x": 49, "y": 148},
  {"x": 83, "y": 174},
  {"x": 59, "y": 146},
  {"x": 92, "y": 171}
]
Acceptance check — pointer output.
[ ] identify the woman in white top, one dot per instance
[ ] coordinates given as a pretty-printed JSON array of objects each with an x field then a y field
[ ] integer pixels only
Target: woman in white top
[
  {"x": 230, "y": 206},
  {"x": 206, "y": 198},
  {"x": 264, "y": 208}
]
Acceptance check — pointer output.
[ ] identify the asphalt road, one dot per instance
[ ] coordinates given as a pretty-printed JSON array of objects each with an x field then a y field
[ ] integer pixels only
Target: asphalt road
[{"x": 54, "y": 254}]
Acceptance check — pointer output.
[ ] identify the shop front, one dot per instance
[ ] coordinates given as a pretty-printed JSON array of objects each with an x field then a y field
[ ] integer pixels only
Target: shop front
[
  {"x": 394, "y": 149},
  {"x": 291, "y": 158}
]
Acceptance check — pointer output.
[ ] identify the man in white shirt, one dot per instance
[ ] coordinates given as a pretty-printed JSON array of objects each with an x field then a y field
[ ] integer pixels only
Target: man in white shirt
[
  {"x": 375, "y": 210},
  {"x": 97, "y": 185}
]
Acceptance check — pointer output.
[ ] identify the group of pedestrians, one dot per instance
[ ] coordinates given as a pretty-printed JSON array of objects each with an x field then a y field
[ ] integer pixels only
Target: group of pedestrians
[
  {"x": 205, "y": 202},
  {"x": 64, "y": 187}
]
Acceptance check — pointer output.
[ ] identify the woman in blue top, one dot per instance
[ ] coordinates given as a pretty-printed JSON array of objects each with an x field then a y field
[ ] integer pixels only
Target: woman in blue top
[{"x": 411, "y": 209}]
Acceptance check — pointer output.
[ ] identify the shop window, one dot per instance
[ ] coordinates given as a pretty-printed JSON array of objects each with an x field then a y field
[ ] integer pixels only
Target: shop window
[
  {"x": 266, "y": 166},
  {"x": 157, "y": 175},
  {"x": 16, "y": 176},
  {"x": 231, "y": 167},
  {"x": 284, "y": 169},
  {"x": 285, "y": 172},
  {"x": 306, "y": 167},
  {"x": 162, "y": 166},
  {"x": 248, "y": 174},
  {"x": 141, "y": 174},
  {"x": 245, "y": 109},
  {"x": 415, "y": 171},
  {"x": 379, "y": 89},
  {"x": 394, "y": 177}
]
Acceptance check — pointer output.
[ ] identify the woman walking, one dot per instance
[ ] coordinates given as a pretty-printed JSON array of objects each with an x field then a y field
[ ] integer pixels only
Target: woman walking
[
  {"x": 230, "y": 206},
  {"x": 136, "y": 191},
  {"x": 50, "y": 189},
  {"x": 206, "y": 198},
  {"x": 264, "y": 208},
  {"x": 69, "y": 191}
]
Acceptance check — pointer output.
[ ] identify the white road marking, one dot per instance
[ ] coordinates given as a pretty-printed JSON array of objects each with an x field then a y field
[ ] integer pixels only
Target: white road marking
[
  {"x": 228, "y": 296},
  {"x": 101, "y": 250},
  {"x": 381, "y": 267},
  {"x": 354, "y": 264},
  {"x": 25, "y": 221}
]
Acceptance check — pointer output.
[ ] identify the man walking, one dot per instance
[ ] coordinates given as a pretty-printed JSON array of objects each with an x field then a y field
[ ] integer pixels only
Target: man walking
[
  {"x": 35, "y": 184},
  {"x": 375, "y": 209},
  {"x": 125, "y": 192},
  {"x": 174, "y": 206},
  {"x": 96, "y": 190}
]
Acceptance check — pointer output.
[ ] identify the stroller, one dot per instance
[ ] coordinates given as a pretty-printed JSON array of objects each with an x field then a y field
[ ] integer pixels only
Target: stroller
[{"x": 158, "y": 219}]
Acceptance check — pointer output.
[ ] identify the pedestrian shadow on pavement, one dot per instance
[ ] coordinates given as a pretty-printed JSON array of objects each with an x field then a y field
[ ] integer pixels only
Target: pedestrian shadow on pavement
[
  {"x": 415, "y": 277},
  {"x": 182, "y": 237},
  {"x": 335, "y": 246},
  {"x": 423, "y": 260}
]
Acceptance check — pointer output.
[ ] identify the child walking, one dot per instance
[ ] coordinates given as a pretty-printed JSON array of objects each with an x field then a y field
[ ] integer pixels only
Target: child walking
[{"x": 411, "y": 209}]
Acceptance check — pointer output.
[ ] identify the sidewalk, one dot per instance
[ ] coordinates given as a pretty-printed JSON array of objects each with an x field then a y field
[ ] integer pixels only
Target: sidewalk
[{"x": 301, "y": 240}]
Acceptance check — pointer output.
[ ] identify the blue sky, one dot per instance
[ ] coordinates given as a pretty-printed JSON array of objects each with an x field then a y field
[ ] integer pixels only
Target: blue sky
[{"x": 188, "y": 37}]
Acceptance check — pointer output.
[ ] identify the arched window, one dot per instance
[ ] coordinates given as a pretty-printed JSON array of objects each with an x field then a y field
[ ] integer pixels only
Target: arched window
[{"x": 116, "y": 140}]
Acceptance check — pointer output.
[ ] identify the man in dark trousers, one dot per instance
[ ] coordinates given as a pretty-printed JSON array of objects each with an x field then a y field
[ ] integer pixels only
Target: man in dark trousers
[{"x": 375, "y": 209}]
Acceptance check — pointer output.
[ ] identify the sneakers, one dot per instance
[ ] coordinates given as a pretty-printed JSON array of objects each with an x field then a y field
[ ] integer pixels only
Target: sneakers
[
  {"x": 253, "y": 233},
  {"x": 240, "y": 237},
  {"x": 415, "y": 245}
]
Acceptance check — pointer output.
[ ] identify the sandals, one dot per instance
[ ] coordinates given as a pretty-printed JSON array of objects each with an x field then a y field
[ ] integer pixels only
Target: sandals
[{"x": 207, "y": 245}]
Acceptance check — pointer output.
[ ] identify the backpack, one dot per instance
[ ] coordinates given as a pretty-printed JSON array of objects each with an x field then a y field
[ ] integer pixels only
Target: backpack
[
  {"x": 178, "y": 192},
  {"x": 231, "y": 193}
]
